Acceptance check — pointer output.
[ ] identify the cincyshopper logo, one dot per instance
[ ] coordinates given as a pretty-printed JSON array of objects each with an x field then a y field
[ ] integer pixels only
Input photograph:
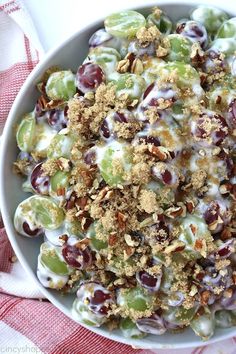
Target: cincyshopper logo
[{"x": 18, "y": 350}]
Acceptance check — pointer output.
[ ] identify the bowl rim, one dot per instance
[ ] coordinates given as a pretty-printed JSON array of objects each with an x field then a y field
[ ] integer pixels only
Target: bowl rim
[{"x": 36, "y": 72}]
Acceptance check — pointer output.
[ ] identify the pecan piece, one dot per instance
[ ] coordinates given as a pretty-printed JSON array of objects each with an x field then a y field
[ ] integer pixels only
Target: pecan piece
[
  {"x": 137, "y": 67},
  {"x": 225, "y": 234},
  {"x": 175, "y": 211},
  {"x": 190, "y": 206},
  {"x": 112, "y": 239},
  {"x": 160, "y": 152},
  {"x": 123, "y": 66},
  {"x": 121, "y": 218},
  {"x": 205, "y": 296},
  {"x": 61, "y": 191},
  {"x": 176, "y": 246}
]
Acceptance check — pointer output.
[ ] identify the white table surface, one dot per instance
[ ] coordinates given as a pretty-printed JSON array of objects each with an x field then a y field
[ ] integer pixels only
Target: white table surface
[{"x": 55, "y": 20}]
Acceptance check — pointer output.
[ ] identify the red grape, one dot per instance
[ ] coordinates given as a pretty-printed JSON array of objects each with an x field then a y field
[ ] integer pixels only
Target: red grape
[
  {"x": 89, "y": 76},
  {"x": 77, "y": 257},
  {"x": 39, "y": 182}
]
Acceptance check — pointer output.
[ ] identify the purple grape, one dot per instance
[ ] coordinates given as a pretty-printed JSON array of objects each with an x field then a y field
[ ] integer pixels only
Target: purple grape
[
  {"x": 213, "y": 63},
  {"x": 105, "y": 131},
  {"x": 195, "y": 31},
  {"x": 153, "y": 325},
  {"x": 89, "y": 76},
  {"x": 229, "y": 302},
  {"x": 30, "y": 163},
  {"x": 218, "y": 132},
  {"x": 31, "y": 232},
  {"x": 77, "y": 257},
  {"x": 96, "y": 296},
  {"x": 56, "y": 119},
  {"x": 100, "y": 37},
  {"x": 39, "y": 182},
  {"x": 148, "y": 281},
  {"x": 90, "y": 156},
  {"x": 139, "y": 51}
]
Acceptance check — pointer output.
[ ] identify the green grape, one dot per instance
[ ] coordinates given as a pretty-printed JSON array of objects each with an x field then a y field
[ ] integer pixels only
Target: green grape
[
  {"x": 180, "y": 48},
  {"x": 136, "y": 299},
  {"x": 61, "y": 85},
  {"x": 130, "y": 84},
  {"x": 226, "y": 46},
  {"x": 179, "y": 315},
  {"x": 186, "y": 76},
  {"x": 59, "y": 180},
  {"x": 120, "y": 267},
  {"x": 180, "y": 112},
  {"x": 227, "y": 29},
  {"x": 225, "y": 319},
  {"x": 107, "y": 58},
  {"x": 25, "y": 135},
  {"x": 129, "y": 329},
  {"x": 193, "y": 229},
  {"x": 74, "y": 228},
  {"x": 162, "y": 22},
  {"x": 47, "y": 213},
  {"x": 203, "y": 324},
  {"x": 167, "y": 279},
  {"x": 210, "y": 16},
  {"x": 124, "y": 24},
  {"x": 227, "y": 95},
  {"x": 164, "y": 195},
  {"x": 151, "y": 66},
  {"x": 111, "y": 155},
  {"x": 49, "y": 258},
  {"x": 97, "y": 244},
  {"x": 60, "y": 146},
  {"x": 81, "y": 313},
  {"x": 43, "y": 137}
]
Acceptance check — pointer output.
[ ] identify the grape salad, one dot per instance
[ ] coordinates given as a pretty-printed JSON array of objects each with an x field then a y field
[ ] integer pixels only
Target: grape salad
[{"x": 131, "y": 163}]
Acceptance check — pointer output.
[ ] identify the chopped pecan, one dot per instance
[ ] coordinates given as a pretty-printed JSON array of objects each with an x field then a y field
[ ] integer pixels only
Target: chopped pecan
[
  {"x": 175, "y": 211},
  {"x": 225, "y": 234},
  {"x": 197, "y": 54},
  {"x": 87, "y": 177},
  {"x": 213, "y": 226},
  {"x": 123, "y": 66},
  {"x": 112, "y": 239},
  {"x": 228, "y": 293},
  {"x": 176, "y": 246},
  {"x": 137, "y": 66},
  {"x": 226, "y": 188},
  {"x": 42, "y": 102},
  {"x": 193, "y": 228},
  {"x": 234, "y": 277},
  {"x": 83, "y": 243},
  {"x": 54, "y": 104},
  {"x": 200, "y": 246},
  {"x": 82, "y": 202},
  {"x": 61, "y": 191},
  {"x": 205, "y": 296},
  {"x": 190, "y": 206},
  {"x": 86, "y": 222},
  {"x": 160, "y": 152},
  {"x": 121, "y": 218},
  {"x": 128, "y": 252},
  {"x": 64, "y": 238}
]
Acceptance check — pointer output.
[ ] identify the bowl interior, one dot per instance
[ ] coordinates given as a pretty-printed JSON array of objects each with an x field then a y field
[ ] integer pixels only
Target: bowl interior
[{"x": 70, "y": 55}]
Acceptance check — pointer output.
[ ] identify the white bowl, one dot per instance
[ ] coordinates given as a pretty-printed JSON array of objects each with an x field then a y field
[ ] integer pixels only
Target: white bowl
[{"x": 70, "y": 54}]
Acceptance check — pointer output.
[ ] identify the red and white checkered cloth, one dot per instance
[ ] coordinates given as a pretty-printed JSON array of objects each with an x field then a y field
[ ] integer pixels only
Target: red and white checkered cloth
[{"x": 27, "y": 324}]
